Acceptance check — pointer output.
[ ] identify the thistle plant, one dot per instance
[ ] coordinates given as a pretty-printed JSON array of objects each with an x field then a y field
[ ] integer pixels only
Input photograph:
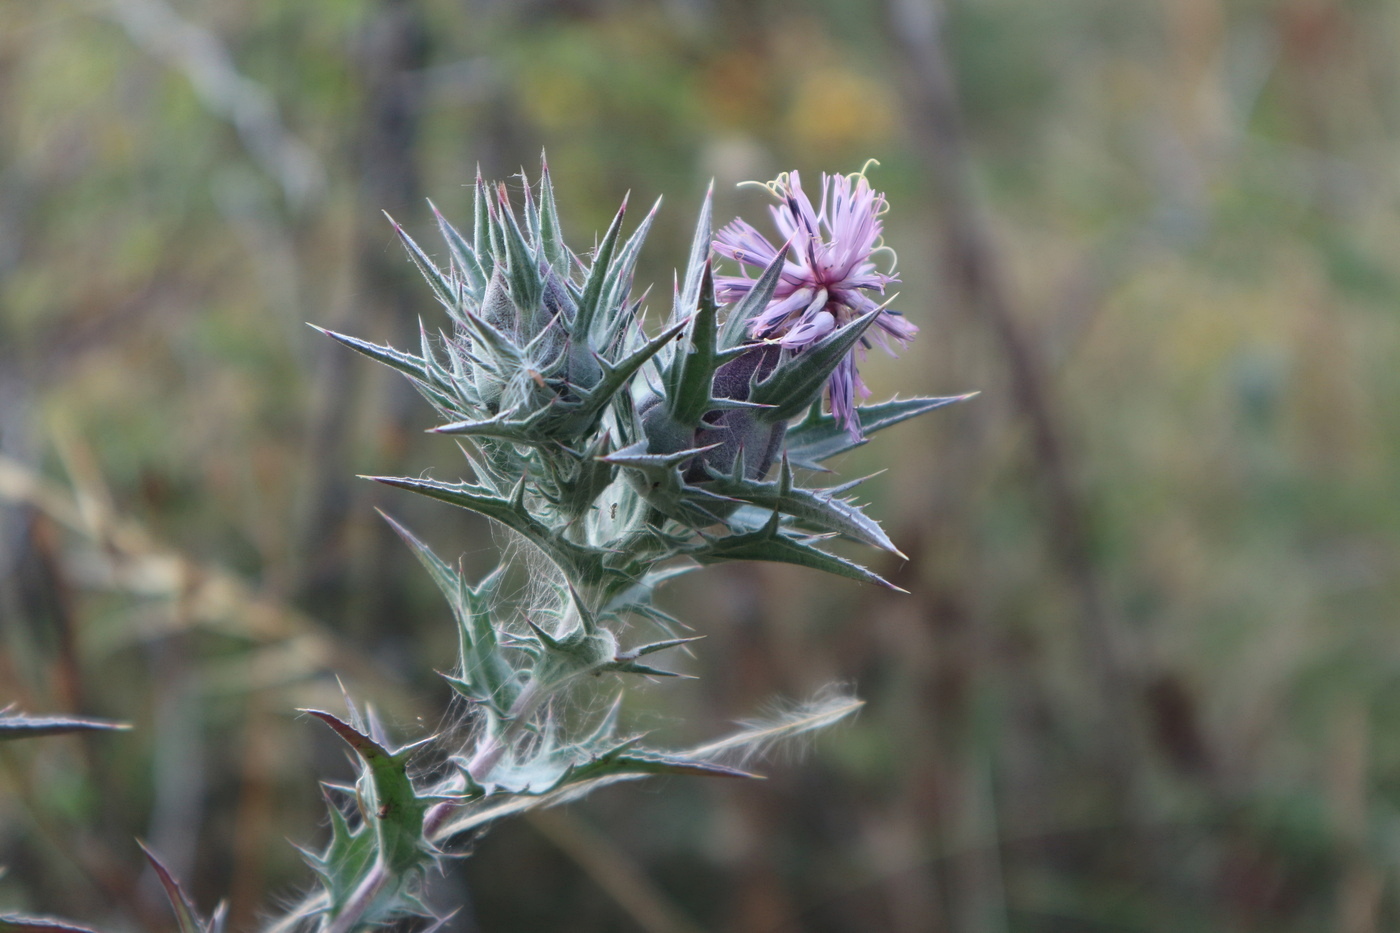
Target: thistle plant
[{"x": 619, "y": 458}]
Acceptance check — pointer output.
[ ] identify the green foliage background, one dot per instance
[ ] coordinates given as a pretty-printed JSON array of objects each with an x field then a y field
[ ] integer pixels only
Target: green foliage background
[{"x": 1147, "y": 678}]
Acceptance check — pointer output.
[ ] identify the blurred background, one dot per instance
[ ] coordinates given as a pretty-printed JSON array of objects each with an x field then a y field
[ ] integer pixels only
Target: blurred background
[{"x": 1148, "y": 673}]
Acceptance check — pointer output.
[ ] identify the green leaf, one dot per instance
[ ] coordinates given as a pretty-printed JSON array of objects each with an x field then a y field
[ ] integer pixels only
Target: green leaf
[
  {"x": 576, "y": 561},
  {"x": 481, "y": 225},
  {"x": 411, "y": 366},
  {"x": 345, "y": 859},
  {"x": 531, "y": 215},
  {"x": 771, "y": 544},
  {"x": 406, "y": 363},
  {"x": 504, "y": 426},
  {"x": 735, "y": 331},
  {"x": 626, "y": 661},
  {"x": 819, "y": 437},
  {"x": 692, "y": 371},
  {"x": 798, "y": 379},
  {"x": 698, "y": 264},
  {"x": 462, "y": 252},
  {"x": 445, "y": 291},
  {"x": 551, "y": 235},
  {"x": 582, "y": 417},
  {"x": 392, "y": 805},
  {"x": 619, "y": 280},
  {"x": 818, "y": 508},
  {"x": 14, "y": 725},
  {"x": 597, "y": 275},
  {"x": 639, "y": 762},
  {"x": 522, "y": 272}
]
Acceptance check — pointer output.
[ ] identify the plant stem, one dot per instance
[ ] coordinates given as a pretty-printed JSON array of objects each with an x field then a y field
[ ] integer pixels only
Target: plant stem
[
  {"x": 488, "y": 753},
  {"x": 361, "y": 899}
]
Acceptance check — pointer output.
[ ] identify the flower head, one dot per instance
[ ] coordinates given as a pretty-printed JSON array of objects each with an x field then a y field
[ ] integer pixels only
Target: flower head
[{"x": 827, "y": 279}]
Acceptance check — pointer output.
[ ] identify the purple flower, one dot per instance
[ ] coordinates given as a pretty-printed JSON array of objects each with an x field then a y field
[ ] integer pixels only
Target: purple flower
[{"x": 827, "y": 278}]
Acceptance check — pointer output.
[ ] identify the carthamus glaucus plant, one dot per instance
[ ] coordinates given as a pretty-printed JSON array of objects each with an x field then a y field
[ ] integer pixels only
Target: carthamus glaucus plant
[{"x": 620, "y": 456}]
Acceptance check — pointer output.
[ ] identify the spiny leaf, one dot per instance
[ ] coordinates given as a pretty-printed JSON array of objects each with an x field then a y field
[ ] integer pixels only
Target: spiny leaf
[
  {"x": 395, "y": 809},
  {"x": 818, "y": 508},
  {"x": 771, "y": 544},
  {"x": 799, "y": 378},
  {"x": 735, "y": 330},
  {"x": 443, "y": 575},
  {"x": 584, "y": 417},
  {"x": 481, "y": 225},
  {"x": 551, "y": 235},
  {"x": 637, "y": 457},
  {"x": 648, "y": 762},
  {"x": 486, "y": 675},
  {"x": 581, "y": 780},
  {"x": 692, "y": 370},
  {"x": 819, "y": 437},
  {"x": 522, "y": 271},
  {"x": 406, "y": 363},
  {"x": 531, "y": 213},
  {"x": 597, "y": 275},
  {"x": 346, "y": 858},
  {"x": 505, "y": 425},
  {"x": 442, "y": 288},
  {"x": 699, "y": 259},
  {"x": 462, "y": 252},
  {"x": 619, "y": 281},
  {"x": 15, "y": 725},
  {"x": 574, "y": 560}
]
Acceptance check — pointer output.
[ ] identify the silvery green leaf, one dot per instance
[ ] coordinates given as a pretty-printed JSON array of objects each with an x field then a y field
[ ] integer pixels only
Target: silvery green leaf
[
  {"x": 817, "y": 508},
  {"x": 463, "y": 253},
  {"x": 393, "y": 806},
  {"x": 800, "y": 377},
  {"x": 573, "y": 559},
  {"x": 658, "y": 480},
  {"x": 699, "y": 260},
  {"x": 16, "y": 725},
  {"x": 606, "y": 727},
  {"x": 818, "y": 437},
  {"x": 640, "y": 762},
  {"x": 522, "y": 271},
  {"x": 406, "y": 363},
  {"x": 771, "y": 543},
  {"x": 581, "y": 418},
  {"x": 626, "y": 661},
  {"x": 653, "y": 466},
  {"x": 531, "y": 214},
  {"x": 551, "y": 234},
  {"x": 444, "y": 290},
  {"x": 504, "y": 426},
  {"x": 584, "y": 475},
  {"x": 642, "y": 591},
  {"x": 344, "y": 860},
  {"x": 592, "y": 295},
  {"x": 692, "y": 369},
  {"x": 486, "y": 676},
  {"x": 481, "y": 226},
  {"x": 613, "y": 305},
  {"x": 735, "y": 330}
]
